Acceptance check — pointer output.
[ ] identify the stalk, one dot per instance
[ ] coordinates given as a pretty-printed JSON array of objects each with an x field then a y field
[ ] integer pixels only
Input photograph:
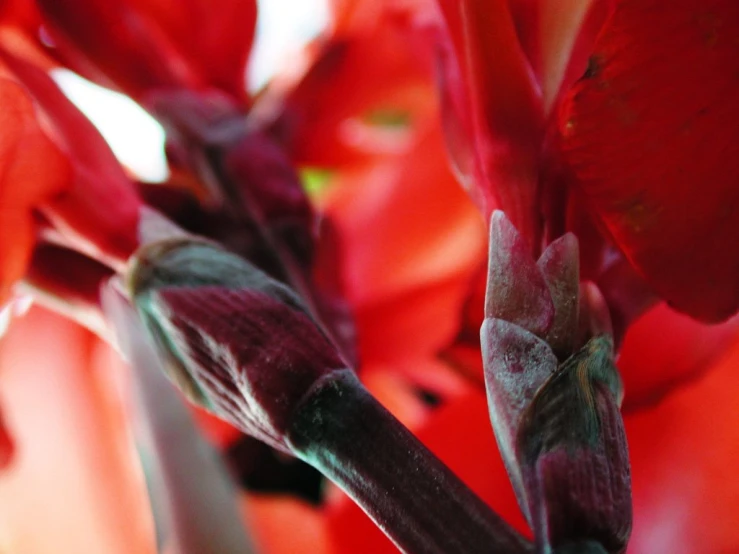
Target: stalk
[{"x": 340, "y": 429}]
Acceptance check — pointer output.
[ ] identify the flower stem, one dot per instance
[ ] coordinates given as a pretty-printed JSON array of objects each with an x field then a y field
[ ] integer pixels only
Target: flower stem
[{"x": 411, "y": 495}]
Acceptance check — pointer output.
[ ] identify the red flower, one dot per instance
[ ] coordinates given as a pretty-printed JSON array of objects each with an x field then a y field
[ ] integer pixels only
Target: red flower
[
  {"x": 80, "y": 192},
  {"x": 639, "y": 136},
  {"x": 141, "y": 46},
  {"x": 21, "y": 143},
  {"x": 658, "y": 160},
  {"x": 250, "y": 321}
]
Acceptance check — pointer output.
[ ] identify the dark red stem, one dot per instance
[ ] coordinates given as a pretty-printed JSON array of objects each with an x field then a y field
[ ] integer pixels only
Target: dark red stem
[{"x": 412, "y": 496}]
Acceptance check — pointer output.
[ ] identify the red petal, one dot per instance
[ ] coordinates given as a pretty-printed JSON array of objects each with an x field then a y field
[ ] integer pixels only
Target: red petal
[
  {"x": 683, "y": 453},
  {"x": 7, "y": 443},
  {"x": 503, "y": 109},
  {"x": 100, "y": 212},
  {"x": 664, "y": 349},
  {"x": 396, "y": 385},
  {"x": 111, "y": 44},
  {"x": 352, "y": 15},
  {"x": 650, "y": 135},
  {"x": 419, "y": 321},
  {"x": 411, "y": 241},
  {"x": 32, "y": 170},
  {"x": 213, "y": 428},
  {"x": 76, "y": 475},
  {"x": 557, "y": 37},
  {"x": 68, "y": 283},
  {"x": 361, "y": 95},
  {"x": 405, "y": 223},
  {"x": 214, "y": 39},
  {"x": 283, "y": 525},
  {"x": 19, "y": 13},
  {"x": 142, "y": 45}
]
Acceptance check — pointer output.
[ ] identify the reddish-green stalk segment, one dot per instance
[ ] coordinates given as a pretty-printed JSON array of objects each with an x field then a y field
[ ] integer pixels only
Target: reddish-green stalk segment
[{"x": 416, "y": 500}]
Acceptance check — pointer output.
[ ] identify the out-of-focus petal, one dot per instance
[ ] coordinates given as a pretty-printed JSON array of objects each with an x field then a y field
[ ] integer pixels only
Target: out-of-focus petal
[
  {"x": 99, "y": 211},
  {"x": 20, "y": 21},
  {"x": 351, "y": 15},
  {"x": 412, "y": 239},
  {"x": 412, "y": 389},
  {"x": 111, "y": 44},
  {"x": 22, "y": 13},
  {"x": 139, "y": 46},
  {"x": 75, "y": 484},
  {"x": 415, "y": 322},
  {"x": 404, "y": 223},
  {"x": 504, "y": 105},
  {"x": 68, "y": 283},
  {"x": 217, "y": 431},
  {"x": 215, "y": 39},
  {"x": 683, "y": 457},
  {"x": 663, "y": 349},
  {"x": 283, "y": 525},
  {"x": 649, "y": 134},
  {"x": 32, "y": 170},
  {"x": 361, "y": 95}
]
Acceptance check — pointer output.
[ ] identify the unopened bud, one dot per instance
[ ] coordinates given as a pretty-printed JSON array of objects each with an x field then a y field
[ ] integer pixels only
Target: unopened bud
[
  {"x": 235, "y": 340},
  {"x": 572, "y": 448},
  {"x": 554, "y": 402}
]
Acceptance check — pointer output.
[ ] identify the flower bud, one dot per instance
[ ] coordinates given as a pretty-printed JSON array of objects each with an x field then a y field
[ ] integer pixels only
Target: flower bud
[
  {"x": 235, "y": 340},
  {"x": 554, "y": 402},
  {"x": 572, "y": 448}
]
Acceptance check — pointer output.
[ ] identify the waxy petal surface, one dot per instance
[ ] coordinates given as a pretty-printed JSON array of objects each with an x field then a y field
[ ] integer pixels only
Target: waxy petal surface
[
  {"x": 683, "y": 452},
  {"x": 650, "y": 134},
  {"x": 663, "y": 350},
  {"x": 557, "y": 37}
]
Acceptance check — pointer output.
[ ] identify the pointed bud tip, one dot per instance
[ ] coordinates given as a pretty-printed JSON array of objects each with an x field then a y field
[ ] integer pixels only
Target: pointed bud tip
[
  {"x": 516, "y": 289},
  {"x": 560, "y": 265}
]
